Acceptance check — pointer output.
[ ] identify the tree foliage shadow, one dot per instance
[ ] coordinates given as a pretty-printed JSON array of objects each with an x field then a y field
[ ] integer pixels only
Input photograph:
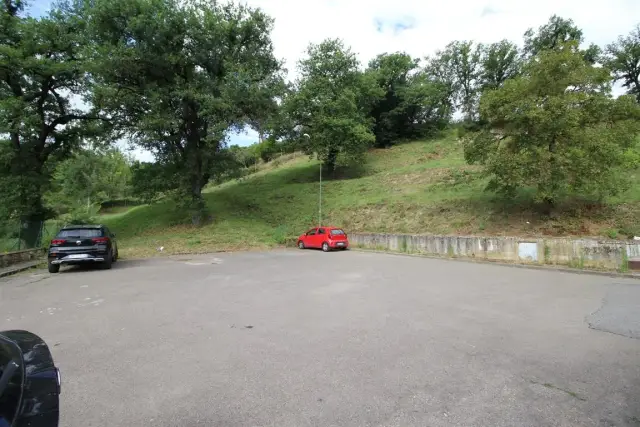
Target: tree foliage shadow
[{"x": 311, "y": 174}]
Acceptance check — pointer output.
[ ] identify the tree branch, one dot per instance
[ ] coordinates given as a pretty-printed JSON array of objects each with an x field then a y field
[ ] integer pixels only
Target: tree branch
[{"x": 63, "y": 120}]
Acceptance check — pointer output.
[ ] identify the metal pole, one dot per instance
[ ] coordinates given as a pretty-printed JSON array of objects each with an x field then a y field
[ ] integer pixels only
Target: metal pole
[{"x": 320, "y": 199}]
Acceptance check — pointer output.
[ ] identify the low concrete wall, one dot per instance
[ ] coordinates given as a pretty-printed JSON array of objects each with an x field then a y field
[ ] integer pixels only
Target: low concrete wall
[
  {"x": 579, "y": 253},
  {"x": 12, "y": 258}
]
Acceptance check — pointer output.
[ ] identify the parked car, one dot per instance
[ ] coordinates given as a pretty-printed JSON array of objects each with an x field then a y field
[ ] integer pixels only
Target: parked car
[
  {"x": 325, "y": 238},
  {"x": 80, "y": 244}
]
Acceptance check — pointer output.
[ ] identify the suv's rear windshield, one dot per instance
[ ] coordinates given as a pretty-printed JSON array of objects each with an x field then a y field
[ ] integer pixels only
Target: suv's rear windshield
[
  {"x": 80, "y": 232},
  {"x": 337, "y": 232}
]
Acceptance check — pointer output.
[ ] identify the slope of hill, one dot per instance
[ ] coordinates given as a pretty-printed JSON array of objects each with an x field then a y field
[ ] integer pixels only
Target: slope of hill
[{"x": 422, "y": 187}]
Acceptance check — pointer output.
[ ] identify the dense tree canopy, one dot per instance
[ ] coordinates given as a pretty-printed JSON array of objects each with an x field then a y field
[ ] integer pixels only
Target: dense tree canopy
[
  {"x": 459, "y": 65},
  {"x": 556, "y": 128},
  {"x": 499, "y": 62},
  {"x": 328, "y": 104},
  {"x": 408, "y": 103},
  {"x": 91, "y": 176},
  {"x": 555, "y": 34},
  {"x": 43, "y": 78}
]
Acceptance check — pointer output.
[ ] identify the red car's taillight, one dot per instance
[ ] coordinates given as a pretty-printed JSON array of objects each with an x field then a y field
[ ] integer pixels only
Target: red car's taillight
[
  {"x": 56, "y": 242},
  {"x": 100, "y": 240}
]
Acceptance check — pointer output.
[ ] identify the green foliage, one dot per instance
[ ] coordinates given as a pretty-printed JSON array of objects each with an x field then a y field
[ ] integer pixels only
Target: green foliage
[
  {"x": 623, "y": 58},
  {"x": 556, "y": 128},
  {"x": 267, "y": 149},
  {"x": 42, "y": 67},
  {"x": 328, "y": 104},
  {"x": 180, "y": 83},
  {"x": 90, "y": 176},
  {"x": 282, "y": 235},
  {"x": 554, "y": 35},
  {"x": 547, "y": 254},
  {"x": 405, "y": 102},
  {"x": 624, "y": 260},
  {"x": 458, "y": 66},
  {"x": 152, "y": 181},
  {"x": 500, "y": 61},
  {"x": 246, "y": 156},
  {"x": 87, "y": 214},
  {"x": 630, "y": 229}
]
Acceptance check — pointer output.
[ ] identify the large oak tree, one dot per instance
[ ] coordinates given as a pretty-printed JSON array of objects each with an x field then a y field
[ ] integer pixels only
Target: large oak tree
[
  {"x": 183, "y": 73},
  {"x": 43, "y": 80},
  {"x": 556, "y": 128}
]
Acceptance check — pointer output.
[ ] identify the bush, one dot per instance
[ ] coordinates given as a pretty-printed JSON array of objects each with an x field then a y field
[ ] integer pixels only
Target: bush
[{"x": 82, "y": 215}]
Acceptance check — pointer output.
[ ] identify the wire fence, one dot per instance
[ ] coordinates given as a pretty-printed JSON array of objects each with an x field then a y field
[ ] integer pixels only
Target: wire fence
[{"x": 17, "y": 236}]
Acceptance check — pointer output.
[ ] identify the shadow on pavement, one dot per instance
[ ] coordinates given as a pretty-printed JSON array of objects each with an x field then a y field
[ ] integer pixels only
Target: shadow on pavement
[{"x": 119, "y": 265}]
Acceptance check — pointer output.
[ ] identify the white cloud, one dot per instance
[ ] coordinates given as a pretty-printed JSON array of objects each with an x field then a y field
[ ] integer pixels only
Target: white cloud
[{"x": 376, "y": 26}]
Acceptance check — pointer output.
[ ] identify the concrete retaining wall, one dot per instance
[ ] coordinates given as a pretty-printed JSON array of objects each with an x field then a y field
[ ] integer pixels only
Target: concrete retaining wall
[
  {"x": 12, "y": 258},
  {"x": 580, "y": 253}
]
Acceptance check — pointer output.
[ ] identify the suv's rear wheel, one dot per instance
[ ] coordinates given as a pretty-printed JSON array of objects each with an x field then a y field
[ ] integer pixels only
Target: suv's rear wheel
[
  {"x": 106, "y": 264},
  {"x": 53, "y": 268}
]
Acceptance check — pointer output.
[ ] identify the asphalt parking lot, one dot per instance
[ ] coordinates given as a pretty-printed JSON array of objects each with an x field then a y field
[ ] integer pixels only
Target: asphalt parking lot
[{"x": 304, "y": 338}]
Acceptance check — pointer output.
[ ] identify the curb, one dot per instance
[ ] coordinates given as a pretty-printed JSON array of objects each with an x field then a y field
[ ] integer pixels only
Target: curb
[
  {"x": 635, "y": 276},
  {"x": 19, "y": 268}
]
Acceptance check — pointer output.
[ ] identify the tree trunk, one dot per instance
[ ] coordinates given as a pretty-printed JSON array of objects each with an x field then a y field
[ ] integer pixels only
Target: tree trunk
[
  {"x": 31, "y": 223},
  {"x": 196, "y": 205},
  {"x": 547, "y": 205},
  {"x": 31, "y": 233},
  {"x": 31, "y": 207},
  {"x": 198, "y": 177},
  {"x": 331, "y": 161}
]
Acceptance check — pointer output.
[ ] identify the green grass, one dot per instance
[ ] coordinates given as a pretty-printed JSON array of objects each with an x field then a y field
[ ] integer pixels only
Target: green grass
[{"x": 417, "y": 187}]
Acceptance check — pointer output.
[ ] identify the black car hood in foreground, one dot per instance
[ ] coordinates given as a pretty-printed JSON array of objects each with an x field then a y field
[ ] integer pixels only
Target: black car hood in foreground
[{"x": 40, "y": 401}]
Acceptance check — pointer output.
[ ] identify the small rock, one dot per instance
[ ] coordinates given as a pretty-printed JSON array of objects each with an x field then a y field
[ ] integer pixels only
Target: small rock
[{"x": 249, "y": 327}]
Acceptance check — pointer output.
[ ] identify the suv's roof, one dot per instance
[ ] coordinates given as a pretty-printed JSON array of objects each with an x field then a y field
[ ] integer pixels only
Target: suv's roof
[{"x": 75, "y": 227}]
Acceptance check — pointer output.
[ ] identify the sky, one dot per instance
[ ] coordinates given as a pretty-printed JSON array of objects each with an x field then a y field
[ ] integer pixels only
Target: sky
[{"x": 421, "y": 27}]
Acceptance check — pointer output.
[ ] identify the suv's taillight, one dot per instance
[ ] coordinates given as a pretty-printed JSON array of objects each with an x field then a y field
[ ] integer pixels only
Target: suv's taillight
[
  {"x": 100, "y": 240},
  {"x": 56, "y": 242}
]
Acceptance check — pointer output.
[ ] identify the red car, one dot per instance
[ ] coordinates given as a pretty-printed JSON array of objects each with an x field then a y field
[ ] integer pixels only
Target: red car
[{"x": 325, "y": 238}]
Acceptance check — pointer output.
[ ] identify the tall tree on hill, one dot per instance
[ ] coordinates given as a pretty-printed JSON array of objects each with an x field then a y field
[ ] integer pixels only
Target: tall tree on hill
[
  {"x": 412, "y": 103},
  {"x": 392, "y": 73},
  {"x": 43, "y": 77},
  {"x": 328, "y": 103},
  {"x": 499, "y": 62},
  {"x": 459, "y": 67},
  {"x": 554, "y": 35},
  {"x": 623, "y": 59},
  {"x": 184, "y": 73},
  {"x": 557, "y": 129}
]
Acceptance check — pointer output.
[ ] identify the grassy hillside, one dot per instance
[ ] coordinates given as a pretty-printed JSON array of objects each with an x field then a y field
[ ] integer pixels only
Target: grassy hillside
[{"x": 418, "y": 187}]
